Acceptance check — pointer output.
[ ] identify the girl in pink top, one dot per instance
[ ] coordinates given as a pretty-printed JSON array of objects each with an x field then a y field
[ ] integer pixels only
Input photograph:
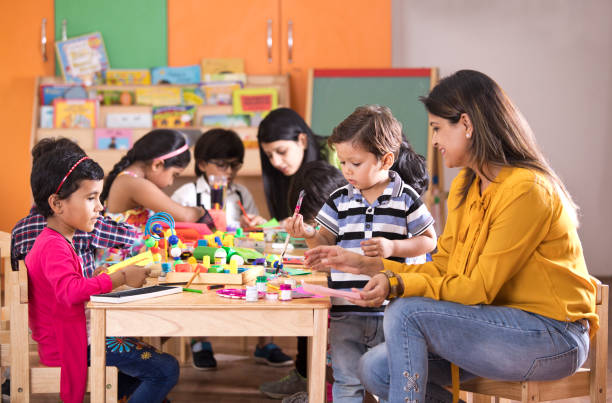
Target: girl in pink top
[{"x": 66, "y": 186}]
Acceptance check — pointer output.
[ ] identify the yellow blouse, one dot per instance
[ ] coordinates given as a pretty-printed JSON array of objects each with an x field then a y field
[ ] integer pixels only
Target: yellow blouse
[{"x": 515, "y": 245}]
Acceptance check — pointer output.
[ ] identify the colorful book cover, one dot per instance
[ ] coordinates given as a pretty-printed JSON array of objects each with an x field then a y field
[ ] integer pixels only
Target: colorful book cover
[
  {"x": 49, "y": 92},
  {"x": 129, "y": 120},
  {"x": 241, "y": 77},
  {"x": 256, "y": 102},
  {"x": 220, "y": 93},
  {"x": 222, "y": 65},
  {"x": 226, "y": 120},
  {"x": 115, "y": 97},
  {"x": 193, "y": 96},
  {"x": 176, "y": 75},
  {"x": 158, "y": 96},
  {"x": 128, "y": 77},
  {"x": 74, "y": 113},
  {"x": 83, "y": 59},
  {"x": 113, "y": 139},
  {"x": 173, "y": 116},
  {"x": 46, "y": 117}
]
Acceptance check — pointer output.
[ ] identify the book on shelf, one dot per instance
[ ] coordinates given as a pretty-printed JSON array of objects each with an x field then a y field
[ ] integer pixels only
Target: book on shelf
[
  {"x": 75, "y": 113},
  {"x": 176, "y": 75},
  {"x": 127, "y": 77},
  {"x": 46, "y": 117},
  {"x": 49, "y": 92},
  {"x": 116, "y": 97},
  {"x": 135, "y": 294},
  {"x": 158, "y": 96},
  {"x": 256, "y": 102},
  {"x": 193, "y": 96},
  {"x": 220, "y": 92},
  {"x": 222, "y": 66},
  {"x": 83, "y": 59},
  {"x": 226, "y": 120},
  {"x": 173, "y": 116},
  {"x": 129, "y": 120},
  {"x": 113, "y": 139},
  {"x": 240, "y": 77}
]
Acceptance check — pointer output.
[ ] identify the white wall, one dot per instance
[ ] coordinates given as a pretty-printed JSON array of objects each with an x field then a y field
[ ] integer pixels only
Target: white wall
[{"x": 554, "y": 59}]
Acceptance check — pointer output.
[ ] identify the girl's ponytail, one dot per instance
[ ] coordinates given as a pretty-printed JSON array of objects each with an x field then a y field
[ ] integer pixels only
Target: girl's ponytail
[
  {"x": 123, "y": 163},
  {"x": 412, "y": 168}
]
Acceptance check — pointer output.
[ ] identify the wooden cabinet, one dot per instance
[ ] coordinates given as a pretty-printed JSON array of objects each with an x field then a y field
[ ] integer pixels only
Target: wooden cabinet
[{"x": 282, "y": 36}]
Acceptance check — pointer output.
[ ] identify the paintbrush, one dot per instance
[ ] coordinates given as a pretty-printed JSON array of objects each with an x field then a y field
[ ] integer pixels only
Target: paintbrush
[
  {"x": 193, "y": 277},
  {"x": 298, "y": 205}
]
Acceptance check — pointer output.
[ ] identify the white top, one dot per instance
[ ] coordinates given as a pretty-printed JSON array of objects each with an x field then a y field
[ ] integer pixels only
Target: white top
[{"x": 187, "y": 196}]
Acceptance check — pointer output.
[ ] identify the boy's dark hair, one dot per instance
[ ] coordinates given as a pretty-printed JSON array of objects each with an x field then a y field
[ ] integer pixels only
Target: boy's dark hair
[
  {"x": 152, "y": 145},
  {"x": 372, "y": 127},
  {"x": 318, "y": 179},
  {"x": 217, "y": 144},
  {"x": 51, "y": 160},
  {"x": 283, "y": 124}
]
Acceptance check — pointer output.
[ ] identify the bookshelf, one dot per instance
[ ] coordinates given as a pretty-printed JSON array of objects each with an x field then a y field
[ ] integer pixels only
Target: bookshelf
[{"x": 107, "y": 158}]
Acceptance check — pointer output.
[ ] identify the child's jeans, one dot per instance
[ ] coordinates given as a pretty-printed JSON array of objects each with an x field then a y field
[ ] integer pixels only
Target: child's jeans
[
  {"x": 350, "y": 336},
  {"x": 155, "y": 373},
  {"x": 492, "y": 341}
]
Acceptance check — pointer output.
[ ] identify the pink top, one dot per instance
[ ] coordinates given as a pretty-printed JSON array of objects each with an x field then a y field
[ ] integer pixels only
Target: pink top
[{"x": 57, "y": 293}]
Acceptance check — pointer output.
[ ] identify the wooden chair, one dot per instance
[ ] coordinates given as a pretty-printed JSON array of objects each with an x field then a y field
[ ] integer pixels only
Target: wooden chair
[
  {"x": 589, "y": 380},
  {"x": 28, "y": 376}
]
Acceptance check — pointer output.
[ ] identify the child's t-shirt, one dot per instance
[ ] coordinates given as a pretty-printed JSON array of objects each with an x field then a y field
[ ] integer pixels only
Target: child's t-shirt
[
  {"x": 398, "y": 213},
  {"x": 187, "y": 195},
  {"x": 57, "y": 295}
]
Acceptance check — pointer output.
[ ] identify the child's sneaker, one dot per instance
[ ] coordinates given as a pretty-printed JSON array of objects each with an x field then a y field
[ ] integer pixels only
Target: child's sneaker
[
  {"x": 203, "y": 358},
  {"x": 300, "y": 397},
  {"x": 286, "y": 386},
  {"x": 272, "y": 355}
]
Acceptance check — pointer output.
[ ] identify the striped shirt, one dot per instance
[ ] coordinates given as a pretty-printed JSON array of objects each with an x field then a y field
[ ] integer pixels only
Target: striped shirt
[
  {"x": 106, "y": 234},
  {"x": 398, "y": 213}
]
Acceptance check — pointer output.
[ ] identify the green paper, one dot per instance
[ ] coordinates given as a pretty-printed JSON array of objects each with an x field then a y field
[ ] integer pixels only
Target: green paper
[
  {"x": 295, "y": 272},
  {"x": 271, "y": 223}
]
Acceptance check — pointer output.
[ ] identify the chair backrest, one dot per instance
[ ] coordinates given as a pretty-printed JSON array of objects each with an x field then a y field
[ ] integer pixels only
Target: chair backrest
[{"x": 598, "y": 354}]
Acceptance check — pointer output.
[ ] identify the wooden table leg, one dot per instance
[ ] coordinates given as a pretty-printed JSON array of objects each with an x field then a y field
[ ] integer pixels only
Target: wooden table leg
[
  {"x": 98, "y": 355},
  {"x": 317, "y": 347}
]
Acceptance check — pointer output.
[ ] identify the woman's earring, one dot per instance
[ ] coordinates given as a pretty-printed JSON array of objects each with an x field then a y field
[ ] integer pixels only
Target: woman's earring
[{"x": 467, "y": 135}]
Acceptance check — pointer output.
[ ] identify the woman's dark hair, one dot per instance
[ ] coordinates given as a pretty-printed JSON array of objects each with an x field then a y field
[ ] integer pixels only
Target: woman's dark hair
[
  {"x": 217, "y": 144},
  {"x": 501, "y": 135},
  {"x": 152, "y": 145},
  {"x": 318, "y": 179},
  {"x": 283, "y": 124},
  {"x": 51, "y": 160},
  {"x": 373, "y": 128},
  {"x": 412, "y": 168}
]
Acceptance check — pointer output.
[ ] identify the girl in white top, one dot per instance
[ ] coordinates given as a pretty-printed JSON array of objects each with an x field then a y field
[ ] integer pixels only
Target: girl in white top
[{"x": 219, "y": 152}]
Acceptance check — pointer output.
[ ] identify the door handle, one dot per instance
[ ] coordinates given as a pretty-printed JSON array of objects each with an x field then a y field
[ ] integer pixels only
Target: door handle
[
  {"x": 290, "y": 41},
  {"x": 269, "y": 41},
  {"x": 43, "y": 39},
  {"x": 64, "y": 30}
]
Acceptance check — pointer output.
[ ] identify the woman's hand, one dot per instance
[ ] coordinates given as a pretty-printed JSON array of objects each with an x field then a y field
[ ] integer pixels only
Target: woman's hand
[
  {"x": 378, "y": 246},
  {"x": 323, "y": 257},
  {"x": 296, "y": 227},
  {"x": 249, "y": 221},
  {"x": 374, "y": 293}
]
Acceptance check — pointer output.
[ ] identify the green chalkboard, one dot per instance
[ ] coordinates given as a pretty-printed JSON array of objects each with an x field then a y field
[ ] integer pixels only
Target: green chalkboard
[
  {"x": 135, "y": 32},
  {"x": 336, "y": 94}
]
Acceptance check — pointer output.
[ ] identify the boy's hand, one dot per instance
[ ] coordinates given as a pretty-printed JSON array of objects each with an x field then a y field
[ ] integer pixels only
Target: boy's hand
[
  {"x": 378, "y": 246},
  {"x": 247, "y": 221},
  {"x": 135, "y": 276},
  {"x": 374, "y": 293},
  {"x": 296, "y": 227},
  {"x": 323, "y": 257},
  {"x": 101, "y": 269}
]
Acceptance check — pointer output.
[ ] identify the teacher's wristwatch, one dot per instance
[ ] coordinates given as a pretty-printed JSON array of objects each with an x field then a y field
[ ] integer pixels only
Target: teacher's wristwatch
[{"x": 393, "y": 284}]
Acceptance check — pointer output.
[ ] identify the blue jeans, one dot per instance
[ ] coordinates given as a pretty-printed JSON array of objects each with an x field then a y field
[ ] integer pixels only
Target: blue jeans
[
  {"x": 350, "y": 336},
  {"x": 424, "y": 336},
  {"x": 150, "y": 374}
]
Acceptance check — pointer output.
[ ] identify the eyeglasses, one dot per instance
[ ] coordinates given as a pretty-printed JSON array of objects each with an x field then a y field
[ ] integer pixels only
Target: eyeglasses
[{"x": 224, "y": 165}]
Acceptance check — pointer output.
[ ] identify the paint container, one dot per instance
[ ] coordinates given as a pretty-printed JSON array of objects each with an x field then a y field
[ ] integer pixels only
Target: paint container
[
  {"x": 272, "y": 296},
  {"x": 261, "y": 284},
  {"x": 285, "y": 292},
  {"x": 220, "y": 256},
  {"x": 251, "y": 293},
  {"x": 291, "y": 282}
]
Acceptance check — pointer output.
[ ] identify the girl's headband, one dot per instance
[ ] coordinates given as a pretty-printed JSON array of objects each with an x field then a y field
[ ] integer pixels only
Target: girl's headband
[
  {"x": 76, "y": 164},
  {"x": 174, "y": 153}
]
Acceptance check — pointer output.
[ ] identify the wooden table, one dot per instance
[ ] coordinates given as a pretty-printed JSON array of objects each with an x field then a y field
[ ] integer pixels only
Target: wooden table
[{"x": 192, "y": 314}]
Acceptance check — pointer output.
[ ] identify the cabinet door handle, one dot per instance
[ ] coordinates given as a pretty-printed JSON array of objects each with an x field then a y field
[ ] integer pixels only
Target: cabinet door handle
[
  {"x": 43, "y": 39},
  {"x": 290, "y": 41},
  {"x": 269, "y": 41},
  {"x": 64, "y": 30}
]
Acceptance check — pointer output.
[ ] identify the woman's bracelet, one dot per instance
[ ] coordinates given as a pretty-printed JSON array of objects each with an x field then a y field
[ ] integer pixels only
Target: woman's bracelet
[{"x": 393, "y": 284}]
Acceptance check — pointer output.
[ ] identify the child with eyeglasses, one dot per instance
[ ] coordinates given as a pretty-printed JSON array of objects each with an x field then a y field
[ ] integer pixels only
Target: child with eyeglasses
[{"x": 219, "y": 153}]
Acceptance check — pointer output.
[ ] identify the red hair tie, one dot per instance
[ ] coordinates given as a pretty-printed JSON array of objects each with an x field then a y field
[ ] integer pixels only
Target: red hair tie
[{"x": 76, "y": 164}]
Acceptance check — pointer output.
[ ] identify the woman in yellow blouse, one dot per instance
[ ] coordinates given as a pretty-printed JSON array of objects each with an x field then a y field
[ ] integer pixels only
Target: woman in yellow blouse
[{"x": 507, "y": 295}]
